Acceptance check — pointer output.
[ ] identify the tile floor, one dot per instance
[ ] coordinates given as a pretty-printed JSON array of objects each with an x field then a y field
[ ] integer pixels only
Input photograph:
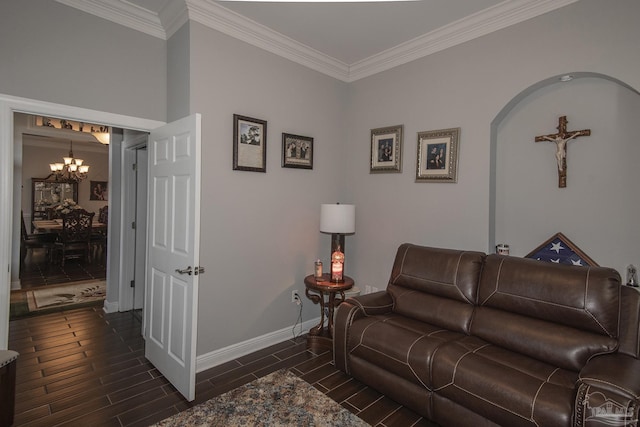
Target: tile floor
[{"x": 84, "y": 367}]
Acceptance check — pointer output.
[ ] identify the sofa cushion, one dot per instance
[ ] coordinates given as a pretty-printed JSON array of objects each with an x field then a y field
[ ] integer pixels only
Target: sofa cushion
[
  {"x": 586, "y": 298},
  {"x": 560, "y": 314},
  {"x": 504, "y": 386},
  {"x": 398, "y": 344},
  {"x": 437, "y": 286}
]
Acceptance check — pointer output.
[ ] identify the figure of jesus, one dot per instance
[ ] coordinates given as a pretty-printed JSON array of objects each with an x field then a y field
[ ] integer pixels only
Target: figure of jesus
[
  {"x": 560, "y": 139},
  {"x": 561, "y": 147}
]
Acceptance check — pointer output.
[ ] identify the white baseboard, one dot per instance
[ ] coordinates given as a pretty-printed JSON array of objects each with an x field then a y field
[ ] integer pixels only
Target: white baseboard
[
  {"x": 218, "y": 357},
  {"x": 110, "y": 307}
]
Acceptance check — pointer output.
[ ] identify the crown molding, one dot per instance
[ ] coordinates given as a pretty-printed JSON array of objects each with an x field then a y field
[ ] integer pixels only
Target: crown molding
[
  {"x": 235, "y": 25},
  {"x": 505, "y": 14},
  {"x": 173, "y": 16},
  {"x": 121, "y": 12},
  {"x": 217, "y": 17}
]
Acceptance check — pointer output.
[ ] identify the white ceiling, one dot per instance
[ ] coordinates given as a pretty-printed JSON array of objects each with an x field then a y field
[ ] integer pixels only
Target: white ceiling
[
  {"x": 351, "y": 32},
  {"x": 344, "y": 40}
]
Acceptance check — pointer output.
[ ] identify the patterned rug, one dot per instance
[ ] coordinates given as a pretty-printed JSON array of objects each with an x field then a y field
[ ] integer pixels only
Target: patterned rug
[
  {"x": 279, "y": 399},
  {"x": 55, "y": 298},
  {"x": 66, "y": 295}
]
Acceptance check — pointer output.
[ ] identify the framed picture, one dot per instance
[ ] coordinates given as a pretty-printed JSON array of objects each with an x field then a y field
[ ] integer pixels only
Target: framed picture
[
  {"x": 297, "y": 151},
  {"x": 561, "y": 250},
  {"x": 249, "y": 144},
  {"x": 98, "y": 190},
  {"x": 438, "y": 155},
  {"x": 386, "y": 149}
]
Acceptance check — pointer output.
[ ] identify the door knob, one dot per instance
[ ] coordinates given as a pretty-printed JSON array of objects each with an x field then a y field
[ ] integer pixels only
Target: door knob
[{"x": 187, "y": 270}]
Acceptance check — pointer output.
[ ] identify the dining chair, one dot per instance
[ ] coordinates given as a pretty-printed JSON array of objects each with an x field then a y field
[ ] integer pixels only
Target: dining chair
[
  {"x": 99, "y": 236},
  {"x": 29, "y": 242},
  {"x": 103, "y": 214},
  {"x": 74, "y": 240}
]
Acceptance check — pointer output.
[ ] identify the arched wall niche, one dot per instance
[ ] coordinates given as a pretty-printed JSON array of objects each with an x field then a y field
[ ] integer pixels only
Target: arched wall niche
[{"x": 597, "y": 210}]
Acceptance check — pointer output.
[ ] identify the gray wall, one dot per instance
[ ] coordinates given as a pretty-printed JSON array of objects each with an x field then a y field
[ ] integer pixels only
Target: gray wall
[
  {"x": 260, "y": 232},
  {"x": 598, "y": 207},
  {"x": 178, "y": 74},
  {"x": 56, "y": 53},
  {"x": 468, "y": 86}
]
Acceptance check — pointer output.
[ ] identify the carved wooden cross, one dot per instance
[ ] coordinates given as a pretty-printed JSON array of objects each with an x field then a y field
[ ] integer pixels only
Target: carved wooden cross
[{"x": 561, "y": 138}]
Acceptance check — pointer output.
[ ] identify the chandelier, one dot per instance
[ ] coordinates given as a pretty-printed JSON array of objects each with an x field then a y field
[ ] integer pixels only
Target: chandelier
[{"x": 71, "y": 170}]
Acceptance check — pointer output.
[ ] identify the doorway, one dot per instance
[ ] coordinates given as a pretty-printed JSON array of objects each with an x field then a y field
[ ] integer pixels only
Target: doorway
[
  {"x": 10, "y": 187},
  {"x": 181, "y": 139},
  {"x": 45, "y": 196}
]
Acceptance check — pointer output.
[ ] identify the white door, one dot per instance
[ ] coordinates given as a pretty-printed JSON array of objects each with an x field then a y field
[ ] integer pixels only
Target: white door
[{"x": 173, "y": 241}]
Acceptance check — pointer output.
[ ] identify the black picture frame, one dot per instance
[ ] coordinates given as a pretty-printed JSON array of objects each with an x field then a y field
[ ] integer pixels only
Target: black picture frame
[
  {"x": 249, "y": 144},
  {"x": 98, "y": 190},
  {"x": 297, "y": 151}
]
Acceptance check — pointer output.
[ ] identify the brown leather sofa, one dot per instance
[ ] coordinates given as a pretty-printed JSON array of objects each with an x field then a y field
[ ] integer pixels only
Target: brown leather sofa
[{"x": 468, "y": 339}]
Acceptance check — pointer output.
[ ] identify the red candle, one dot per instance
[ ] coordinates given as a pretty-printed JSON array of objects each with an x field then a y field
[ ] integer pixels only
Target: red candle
[{"x": 336, "y": 271}]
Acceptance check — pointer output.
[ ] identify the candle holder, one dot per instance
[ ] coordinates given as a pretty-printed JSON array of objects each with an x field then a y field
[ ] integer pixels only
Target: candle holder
[{"x": 318, "y": 270}]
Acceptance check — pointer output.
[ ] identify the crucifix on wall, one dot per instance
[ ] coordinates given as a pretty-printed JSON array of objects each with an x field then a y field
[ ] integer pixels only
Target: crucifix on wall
[{"x": 561, "y": 138}]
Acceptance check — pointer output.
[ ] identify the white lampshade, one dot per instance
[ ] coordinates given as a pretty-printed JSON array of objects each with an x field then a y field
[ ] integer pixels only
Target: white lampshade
[{"x": 338, "y": 218}]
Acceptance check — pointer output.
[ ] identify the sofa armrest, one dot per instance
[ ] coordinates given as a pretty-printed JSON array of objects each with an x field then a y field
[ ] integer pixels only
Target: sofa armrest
[
  {"x": 350, "y": 310},
  {"x": 616, "y": 372},
  {"x": 608, "y": 390},
  {"x": 373, "y": 304}
]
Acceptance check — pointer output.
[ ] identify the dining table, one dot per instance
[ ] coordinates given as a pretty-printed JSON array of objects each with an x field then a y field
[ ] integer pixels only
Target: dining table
[{"x": 54, "y": 225}]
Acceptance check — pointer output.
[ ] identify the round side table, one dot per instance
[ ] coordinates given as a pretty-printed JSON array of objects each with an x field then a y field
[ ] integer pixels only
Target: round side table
[{"x": 316, "y": 289}]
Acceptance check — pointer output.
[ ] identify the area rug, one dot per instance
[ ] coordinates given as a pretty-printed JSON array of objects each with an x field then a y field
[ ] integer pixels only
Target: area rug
[
  {"x": 55, "y": 298},
  {"x": 42, "y": 298},
  {"x": 278, "y": 399}
]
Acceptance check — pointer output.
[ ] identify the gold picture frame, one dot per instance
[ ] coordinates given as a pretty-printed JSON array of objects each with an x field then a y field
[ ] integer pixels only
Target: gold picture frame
[
  {"x": 386, "y": 149},
  {"x": 438, "y": 155}
]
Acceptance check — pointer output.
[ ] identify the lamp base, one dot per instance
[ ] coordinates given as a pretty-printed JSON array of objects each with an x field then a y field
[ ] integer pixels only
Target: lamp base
[{"x": 337, "y": 239}]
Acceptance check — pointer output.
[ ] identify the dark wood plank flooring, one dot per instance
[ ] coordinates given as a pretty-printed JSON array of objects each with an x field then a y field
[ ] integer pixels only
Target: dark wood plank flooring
[
  {"x": 84, "y": 367},
  {"x": 37, "y": 271}
]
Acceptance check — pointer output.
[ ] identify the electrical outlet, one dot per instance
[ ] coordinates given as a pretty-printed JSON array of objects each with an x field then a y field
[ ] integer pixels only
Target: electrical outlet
[
  {"x": 374, "y": 289},
  {"x": 295, "y": 297},
  {"x": 367, "y": 289}
]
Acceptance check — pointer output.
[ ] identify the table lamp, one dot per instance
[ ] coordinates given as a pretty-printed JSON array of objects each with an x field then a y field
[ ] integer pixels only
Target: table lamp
[{"x": 338, "y": 220}]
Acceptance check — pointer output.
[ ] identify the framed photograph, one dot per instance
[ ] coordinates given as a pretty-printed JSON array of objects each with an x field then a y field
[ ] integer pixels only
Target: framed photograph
[
  {"x": 386, "y": 149},
  {"x": 438, "y": 155},
  {"x": 297, "y": 151},
  {"x": 249, "y": 144},
  {"x": 98, "y": 190},
  {"x": 561, "y": 250}
]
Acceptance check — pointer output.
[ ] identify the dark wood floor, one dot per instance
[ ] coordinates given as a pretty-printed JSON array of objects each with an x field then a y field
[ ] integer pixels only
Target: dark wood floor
[
  {"x": 38, "y": 271},
  {"x": 87, "y": 368}
]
